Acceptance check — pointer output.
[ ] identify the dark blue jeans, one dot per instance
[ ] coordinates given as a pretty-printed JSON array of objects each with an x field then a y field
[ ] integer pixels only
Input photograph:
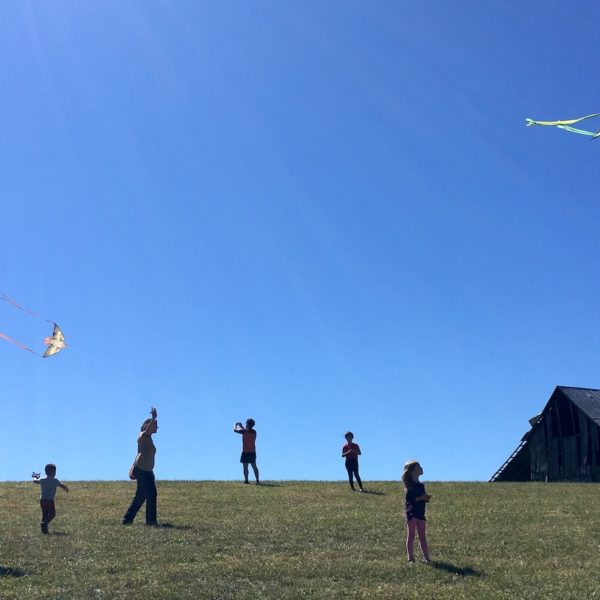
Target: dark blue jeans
[
  {"x": 145, "y": 492},
  {"x": 352, "y": 468}
]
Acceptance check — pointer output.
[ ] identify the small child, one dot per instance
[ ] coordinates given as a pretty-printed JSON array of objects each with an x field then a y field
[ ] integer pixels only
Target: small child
[
  {"x": 248, "y": 456},
  {"x": 416, "y": 498},
  {"x": 351, "y": 452},
  {"x": 48, "y": 492}
]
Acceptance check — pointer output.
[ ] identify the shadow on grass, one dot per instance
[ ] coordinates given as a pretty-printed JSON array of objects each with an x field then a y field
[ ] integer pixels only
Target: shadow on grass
[
  {"x": 374, "y": 492},
  {"x": 8, "y": 572},
  {"x": 455, "y": 570},
  {"x": 269, "y": 484},
  {"x": 172, "y": 526}
]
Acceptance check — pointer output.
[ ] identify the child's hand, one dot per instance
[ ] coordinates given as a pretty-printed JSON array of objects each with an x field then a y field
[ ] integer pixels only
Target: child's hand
[
  {"x": 427, "y": 497},
  {"x": 153, "y": 412}
]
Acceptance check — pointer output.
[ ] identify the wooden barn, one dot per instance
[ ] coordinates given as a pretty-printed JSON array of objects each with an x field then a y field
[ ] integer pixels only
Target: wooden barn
[{"x": 563, "y": 443}]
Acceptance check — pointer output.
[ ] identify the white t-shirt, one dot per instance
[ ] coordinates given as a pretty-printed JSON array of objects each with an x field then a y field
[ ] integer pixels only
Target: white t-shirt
[{"x": 48, "y": 485}]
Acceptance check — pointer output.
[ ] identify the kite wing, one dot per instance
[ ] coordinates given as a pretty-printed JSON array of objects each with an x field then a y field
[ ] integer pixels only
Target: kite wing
[{"x": 55, "y": 343}]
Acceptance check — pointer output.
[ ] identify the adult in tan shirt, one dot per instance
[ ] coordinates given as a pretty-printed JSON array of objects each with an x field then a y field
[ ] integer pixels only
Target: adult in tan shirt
[{"x": 142, "y": 472}]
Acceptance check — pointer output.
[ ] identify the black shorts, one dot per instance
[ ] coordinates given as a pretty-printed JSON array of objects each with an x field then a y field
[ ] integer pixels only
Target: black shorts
[{"x": 248, "y": 457}]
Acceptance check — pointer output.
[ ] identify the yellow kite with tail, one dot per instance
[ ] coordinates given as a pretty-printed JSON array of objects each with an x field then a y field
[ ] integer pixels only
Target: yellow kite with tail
[{"x": 566, "y": 125}]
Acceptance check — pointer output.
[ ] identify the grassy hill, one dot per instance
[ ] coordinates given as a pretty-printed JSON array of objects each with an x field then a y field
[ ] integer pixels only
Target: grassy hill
[{"x": 302, "y": 540}]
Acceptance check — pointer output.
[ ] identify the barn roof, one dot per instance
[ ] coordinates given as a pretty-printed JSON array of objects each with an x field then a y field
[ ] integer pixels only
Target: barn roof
[{"x": 586, "y": 399}]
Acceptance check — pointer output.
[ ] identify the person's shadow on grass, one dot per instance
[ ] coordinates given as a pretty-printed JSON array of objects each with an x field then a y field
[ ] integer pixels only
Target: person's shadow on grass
[
  {"x": 9, "y": 572},
  {"x": 374, "y": 492},
  {"x": 454, "y": 569},
  {"x": 173, "y": 526}
]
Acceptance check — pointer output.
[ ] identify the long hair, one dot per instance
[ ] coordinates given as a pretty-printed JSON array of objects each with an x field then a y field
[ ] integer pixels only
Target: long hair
[{"x": 409, "y": 467}]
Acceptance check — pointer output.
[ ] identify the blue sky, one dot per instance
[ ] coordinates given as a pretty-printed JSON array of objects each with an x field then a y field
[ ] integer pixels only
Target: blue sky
[{"x": 323, "y": 215}]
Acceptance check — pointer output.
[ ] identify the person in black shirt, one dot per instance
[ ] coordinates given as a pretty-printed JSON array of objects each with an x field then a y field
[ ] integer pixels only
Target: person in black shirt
[{"x": 416, "y": 498}]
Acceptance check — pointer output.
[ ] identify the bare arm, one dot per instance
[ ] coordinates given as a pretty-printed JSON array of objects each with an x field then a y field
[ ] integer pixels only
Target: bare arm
[
  {"x": 237, "y": 428},
  {"x": 63, "y": 487}
]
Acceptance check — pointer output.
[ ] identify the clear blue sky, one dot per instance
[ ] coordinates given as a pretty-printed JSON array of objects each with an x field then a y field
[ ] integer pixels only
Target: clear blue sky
[{"x": 323, "y": 215}]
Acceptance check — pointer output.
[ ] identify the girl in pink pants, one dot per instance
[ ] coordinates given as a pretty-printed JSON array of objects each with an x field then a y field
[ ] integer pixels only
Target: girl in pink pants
[{"x": 416, "y": 498}]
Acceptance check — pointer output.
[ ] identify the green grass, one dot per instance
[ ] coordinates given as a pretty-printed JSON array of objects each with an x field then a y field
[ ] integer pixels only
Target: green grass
[{"x": 302, "y": 540}]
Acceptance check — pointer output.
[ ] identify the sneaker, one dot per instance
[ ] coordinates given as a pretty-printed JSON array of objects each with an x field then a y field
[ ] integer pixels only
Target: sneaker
[
  {"x": 153, "y": 524},
  {"x": 411, "y": 561},
  {"x": 127, "y": 522},
  {"x": 362, "y": 490},
  {"x": 426, "y": 561},
  {"x": 44, "y": 527}
]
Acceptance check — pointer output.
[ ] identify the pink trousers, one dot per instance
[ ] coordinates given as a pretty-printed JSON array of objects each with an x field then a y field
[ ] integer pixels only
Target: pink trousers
[{"x": 420, "y": 526}]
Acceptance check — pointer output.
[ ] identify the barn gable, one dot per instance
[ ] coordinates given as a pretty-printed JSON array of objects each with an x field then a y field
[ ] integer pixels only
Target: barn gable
[{"x": 563, "y": 443}]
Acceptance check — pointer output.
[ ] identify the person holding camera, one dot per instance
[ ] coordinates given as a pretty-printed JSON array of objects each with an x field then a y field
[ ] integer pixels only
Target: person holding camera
[{"x": 248, "y": 456}]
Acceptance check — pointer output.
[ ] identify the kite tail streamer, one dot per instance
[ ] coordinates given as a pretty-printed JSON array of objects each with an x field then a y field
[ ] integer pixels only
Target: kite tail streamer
[
  {"x": 9, "y": 339},
  {"x": 8, "y": 299}
]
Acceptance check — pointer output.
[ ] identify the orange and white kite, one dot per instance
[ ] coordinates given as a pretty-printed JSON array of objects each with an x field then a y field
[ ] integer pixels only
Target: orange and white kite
[{"x": 55, "y": 342}]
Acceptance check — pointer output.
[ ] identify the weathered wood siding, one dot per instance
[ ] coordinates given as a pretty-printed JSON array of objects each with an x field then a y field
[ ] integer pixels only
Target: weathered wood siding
[{"x": 564, "y": 445}]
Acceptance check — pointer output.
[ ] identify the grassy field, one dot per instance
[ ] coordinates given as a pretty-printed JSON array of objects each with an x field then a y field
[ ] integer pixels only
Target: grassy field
[{"x": 302, "y": 540}]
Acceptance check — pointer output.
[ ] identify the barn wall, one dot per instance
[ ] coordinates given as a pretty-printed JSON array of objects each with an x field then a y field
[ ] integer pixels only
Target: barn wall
[
  {"x": 537, "y": 451},
  {"x": 564, "y": 445}
]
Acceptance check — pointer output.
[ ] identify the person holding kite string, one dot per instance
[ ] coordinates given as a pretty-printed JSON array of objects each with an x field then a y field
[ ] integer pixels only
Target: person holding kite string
[{"x": 142, "y": 471}]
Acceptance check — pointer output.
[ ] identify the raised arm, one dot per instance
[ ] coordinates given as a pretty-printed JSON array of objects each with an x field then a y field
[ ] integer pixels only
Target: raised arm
[
  {"x": 150, "y": 427},
  {"x": 238, "y": 428}
]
